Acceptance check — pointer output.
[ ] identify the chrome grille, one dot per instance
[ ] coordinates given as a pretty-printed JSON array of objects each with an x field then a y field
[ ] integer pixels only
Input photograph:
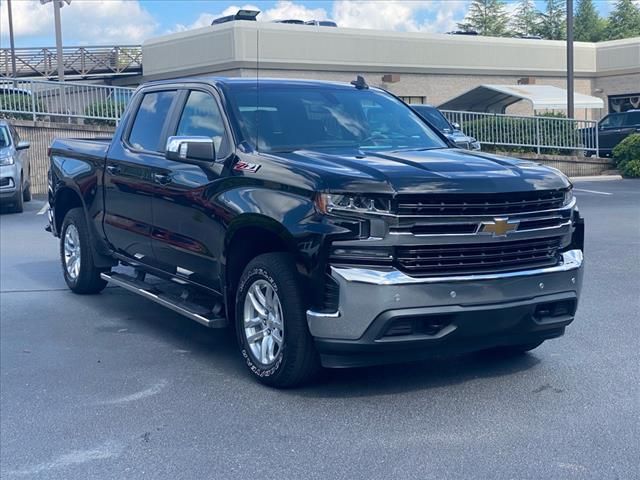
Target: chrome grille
[
  {"x": 465, "y": 259},
  {"x": 479, "y": 203}
]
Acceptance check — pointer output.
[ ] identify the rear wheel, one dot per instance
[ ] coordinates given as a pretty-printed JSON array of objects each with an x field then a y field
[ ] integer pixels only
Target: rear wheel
[
  {"x": 18, "y": 202},
  {"x": 80, "y": 274},
  {"x": 271, "y": 322}
]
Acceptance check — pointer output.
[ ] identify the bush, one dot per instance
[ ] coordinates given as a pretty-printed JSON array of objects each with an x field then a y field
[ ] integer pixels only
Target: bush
[
  {"x": 518, "y": 130},
  {"x": 21, "y": 102},
  {"x": 108, "y": 108},
  {"x": 631, "y": 168},
  {"x": 627, "y": 150}
]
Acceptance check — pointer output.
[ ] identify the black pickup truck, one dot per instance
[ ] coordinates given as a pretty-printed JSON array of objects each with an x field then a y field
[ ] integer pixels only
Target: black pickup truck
[{"x": 327, "y": 223}]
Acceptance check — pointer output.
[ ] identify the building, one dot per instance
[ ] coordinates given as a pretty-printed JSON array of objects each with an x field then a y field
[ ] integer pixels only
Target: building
[{"x": 419, "y": 67}]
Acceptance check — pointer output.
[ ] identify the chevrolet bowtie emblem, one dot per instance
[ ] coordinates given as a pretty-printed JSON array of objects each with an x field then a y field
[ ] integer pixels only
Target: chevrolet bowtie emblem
[{"x": 500, "y": 227}]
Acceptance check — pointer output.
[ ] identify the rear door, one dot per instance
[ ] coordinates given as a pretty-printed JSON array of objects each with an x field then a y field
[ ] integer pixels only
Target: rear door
[
  {"x": 610, "y": 131},
  {"x": 129, "y": 178},
  {"x": 188, "y": 230}
]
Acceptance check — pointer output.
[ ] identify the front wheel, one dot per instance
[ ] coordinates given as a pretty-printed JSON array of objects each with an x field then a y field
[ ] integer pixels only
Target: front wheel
[
  {"x": 80, "y": 273},
  {"x": 18, "y": 204},
  {"x": 271, "y": 322}
]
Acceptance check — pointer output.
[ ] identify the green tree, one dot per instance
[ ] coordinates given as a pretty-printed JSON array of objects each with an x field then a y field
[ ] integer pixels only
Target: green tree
[
  {"x": 487, "y": 17},
  {"x": 553, "y": 22},
  {"x": 587, "y": 26},
  {"x": 525, "y": 19},
  {"x": 624, "y": 21}
]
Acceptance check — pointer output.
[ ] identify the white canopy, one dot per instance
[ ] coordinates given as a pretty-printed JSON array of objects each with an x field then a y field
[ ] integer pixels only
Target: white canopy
[{"x": 496, "y": 98}]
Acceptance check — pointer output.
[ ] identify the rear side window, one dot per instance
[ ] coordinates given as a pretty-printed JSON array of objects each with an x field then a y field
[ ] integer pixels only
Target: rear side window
[
  {"x": 147, "y": 126},
  {"x": 201, "y": 118},
  {"x": 633, "y": 118}
]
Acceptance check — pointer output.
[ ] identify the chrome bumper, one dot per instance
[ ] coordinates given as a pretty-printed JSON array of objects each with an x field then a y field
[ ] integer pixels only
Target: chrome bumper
[{"x": 366, "y": 293}]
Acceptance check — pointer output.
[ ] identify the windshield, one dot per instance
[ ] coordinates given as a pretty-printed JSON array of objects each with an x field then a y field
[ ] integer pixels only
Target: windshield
[
  {"x": 433, "y": 116},
  {"x": 289, "y": 117},
  {"x": 4, "y": 137}
]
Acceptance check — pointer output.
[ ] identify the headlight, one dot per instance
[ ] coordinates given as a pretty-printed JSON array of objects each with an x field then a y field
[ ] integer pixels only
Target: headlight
[
  {"x": 568, "y": 197},
  {"x": 332, "y": 202},
  {"x": 7, "y": 160}
]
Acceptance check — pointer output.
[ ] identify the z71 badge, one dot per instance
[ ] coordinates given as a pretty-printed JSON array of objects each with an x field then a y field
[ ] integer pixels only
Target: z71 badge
[{"x": 246, "y": 167}]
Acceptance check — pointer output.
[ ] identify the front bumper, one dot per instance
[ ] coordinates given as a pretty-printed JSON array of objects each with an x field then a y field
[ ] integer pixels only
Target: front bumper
[
  {"x": 451, "y": 313},
  {"x": 9, "y": 181}
]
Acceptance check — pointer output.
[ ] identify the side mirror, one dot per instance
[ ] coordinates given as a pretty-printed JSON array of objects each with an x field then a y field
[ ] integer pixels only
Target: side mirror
[
  {"x": 455, "y": 125},
  {"x": 23, "y": 145},
  {"x": 190, "y": 149}
]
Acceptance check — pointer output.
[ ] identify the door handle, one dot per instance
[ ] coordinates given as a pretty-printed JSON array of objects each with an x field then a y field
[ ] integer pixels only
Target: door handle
[
  {"x": 113, "y": 169},
  {"x": 161, "y": 178}
]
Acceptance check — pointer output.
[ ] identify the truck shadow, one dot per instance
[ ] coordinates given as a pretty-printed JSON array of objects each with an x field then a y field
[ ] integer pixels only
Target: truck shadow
[{"x": 219, "y": 349}]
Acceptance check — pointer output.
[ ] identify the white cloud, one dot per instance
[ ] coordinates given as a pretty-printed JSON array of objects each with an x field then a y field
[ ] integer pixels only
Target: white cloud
[
  {"x": 85, "y": 21},
  {"x": 282, "y": 10}
]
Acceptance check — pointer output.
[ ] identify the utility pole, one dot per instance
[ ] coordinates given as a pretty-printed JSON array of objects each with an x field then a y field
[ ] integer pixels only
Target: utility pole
[
  {"x": 570, "y": 108},
  {"x": 57, "y": 4},
  {"x": 12, "y": 42}
]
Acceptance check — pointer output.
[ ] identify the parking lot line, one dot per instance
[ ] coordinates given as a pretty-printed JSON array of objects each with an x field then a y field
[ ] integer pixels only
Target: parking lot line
[
  {"x": 43, "y": 209},
  {"x": 591, "y": 191}
]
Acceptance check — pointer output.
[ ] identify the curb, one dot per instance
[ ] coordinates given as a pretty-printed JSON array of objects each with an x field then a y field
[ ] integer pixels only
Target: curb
[{"x": 596, "y": 178}]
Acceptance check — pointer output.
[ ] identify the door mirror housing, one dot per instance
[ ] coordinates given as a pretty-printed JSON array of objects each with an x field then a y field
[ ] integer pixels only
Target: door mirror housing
[
  {"x": 23, "y": 145},
  {"x": 194, "y": 149}
]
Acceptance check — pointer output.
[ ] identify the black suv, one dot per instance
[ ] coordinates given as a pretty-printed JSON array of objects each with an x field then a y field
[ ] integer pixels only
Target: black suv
[{"x": 615, "y": 127}]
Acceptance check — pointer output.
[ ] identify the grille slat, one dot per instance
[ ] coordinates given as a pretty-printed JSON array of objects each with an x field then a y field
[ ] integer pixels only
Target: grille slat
[
  {"x": 478, "y": 258},
  {"x": 479, "y": 204}
]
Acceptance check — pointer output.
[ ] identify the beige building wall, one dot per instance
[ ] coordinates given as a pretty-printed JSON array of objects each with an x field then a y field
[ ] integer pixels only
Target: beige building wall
[{"x": 435, "y": 66}]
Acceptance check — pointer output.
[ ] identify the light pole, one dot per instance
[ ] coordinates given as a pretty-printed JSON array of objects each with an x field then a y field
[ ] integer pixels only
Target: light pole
[
  {"x": 12, "y": 42},
  {"x": 57, "y": 4},
  {"x": 570, "y": 59}
]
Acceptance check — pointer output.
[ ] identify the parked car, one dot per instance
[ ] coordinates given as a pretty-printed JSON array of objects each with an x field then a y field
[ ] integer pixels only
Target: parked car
[
  {"x": 612, "y": 129},
  {"x": 327, "y": 222},
  {"x": 15, "y": 168},
  {"x": 450, "y": 130}
]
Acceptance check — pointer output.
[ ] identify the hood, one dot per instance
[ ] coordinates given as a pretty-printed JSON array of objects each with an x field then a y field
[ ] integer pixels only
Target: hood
[{"x": 447, "y": 170}]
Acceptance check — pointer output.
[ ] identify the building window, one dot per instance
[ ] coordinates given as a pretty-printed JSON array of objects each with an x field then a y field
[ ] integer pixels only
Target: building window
[
  {"x": 622, "y": 103},
  {"x": 413, "y": 100}
]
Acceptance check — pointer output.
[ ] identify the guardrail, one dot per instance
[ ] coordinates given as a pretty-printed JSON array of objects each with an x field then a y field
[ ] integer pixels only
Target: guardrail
[
  {"x": 540, "y": 134},
  {"x": 85, "y": 62},
  {"x": 68, "y": 102}
]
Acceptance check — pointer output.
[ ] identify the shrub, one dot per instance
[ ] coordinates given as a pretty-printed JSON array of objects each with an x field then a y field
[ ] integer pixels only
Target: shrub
[
  {"x": 108, "y": 108},
  {"x": 21, "y": 102},
  {"x": 631, "y": 168},
  {"x": 520, "y": 130},
  {"x": 627, "y": 150}
]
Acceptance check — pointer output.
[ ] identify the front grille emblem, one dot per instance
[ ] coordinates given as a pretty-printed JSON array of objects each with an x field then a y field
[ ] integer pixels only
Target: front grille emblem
[{"x": 500, "y": 227}]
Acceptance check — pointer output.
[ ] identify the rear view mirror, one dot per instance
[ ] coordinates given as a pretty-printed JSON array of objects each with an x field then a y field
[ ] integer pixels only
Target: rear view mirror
[
  {"x": 455, "y": 125},
  {"x": 23, "y": 145},
  {"x": 190, "y": 149}
]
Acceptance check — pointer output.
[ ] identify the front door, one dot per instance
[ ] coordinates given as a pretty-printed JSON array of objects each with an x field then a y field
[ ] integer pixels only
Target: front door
[
  {"x": 129, "y": 177},
  {"x": 188, "y": 233}
]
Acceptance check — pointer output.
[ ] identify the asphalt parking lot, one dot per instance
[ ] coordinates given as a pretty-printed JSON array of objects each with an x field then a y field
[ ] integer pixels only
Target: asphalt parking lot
[{"x": 115, "y": 387}]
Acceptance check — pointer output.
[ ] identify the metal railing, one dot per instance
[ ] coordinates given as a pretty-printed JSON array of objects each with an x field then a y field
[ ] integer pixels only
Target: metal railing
[
  {"x": 68, "y": 102},
  {"x": 539, "y": 134},
  {"x": 78, "y": 61}
]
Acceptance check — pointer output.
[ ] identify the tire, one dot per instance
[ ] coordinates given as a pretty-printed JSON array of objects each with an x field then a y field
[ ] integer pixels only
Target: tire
[
  {"x": 18, "y": 202},
  {"x": 80, "y": 275},
  {"x": 295, "y": 360},
  {"x": 26, "y": 194}
]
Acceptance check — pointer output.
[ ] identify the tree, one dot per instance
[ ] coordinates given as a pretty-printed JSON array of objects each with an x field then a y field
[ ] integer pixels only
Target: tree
[
  {"x": 552, "y": 24},
  {"x": 624, "y": 21},
  {"x": 588, "y": 26},
  {"x": 487, "y": 17},
  {"x": 525, "y": 20}
]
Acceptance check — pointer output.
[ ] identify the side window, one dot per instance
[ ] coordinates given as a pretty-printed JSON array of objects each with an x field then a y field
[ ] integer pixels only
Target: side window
[
  {"x": 201, "y": 117},
  {"x": 633, "y": 118},
  {"x": 147, "y": 126}
]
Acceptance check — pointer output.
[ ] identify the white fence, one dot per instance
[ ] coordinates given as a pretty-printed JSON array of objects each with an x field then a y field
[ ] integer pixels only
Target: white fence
[
  {"x": 68, "y": 102},
  {"x": 542, "y": 134}
]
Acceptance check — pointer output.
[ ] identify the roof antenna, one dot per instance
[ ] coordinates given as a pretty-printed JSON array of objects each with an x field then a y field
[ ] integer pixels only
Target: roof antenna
[{"x": 360, "y": 83}]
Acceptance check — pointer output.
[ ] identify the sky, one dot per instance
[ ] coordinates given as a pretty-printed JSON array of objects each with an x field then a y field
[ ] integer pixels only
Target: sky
[{"x": 130, "y": 22}]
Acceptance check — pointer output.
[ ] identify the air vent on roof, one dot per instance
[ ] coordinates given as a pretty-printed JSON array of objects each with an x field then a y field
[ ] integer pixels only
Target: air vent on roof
[{"x": 249, "y": 15}]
